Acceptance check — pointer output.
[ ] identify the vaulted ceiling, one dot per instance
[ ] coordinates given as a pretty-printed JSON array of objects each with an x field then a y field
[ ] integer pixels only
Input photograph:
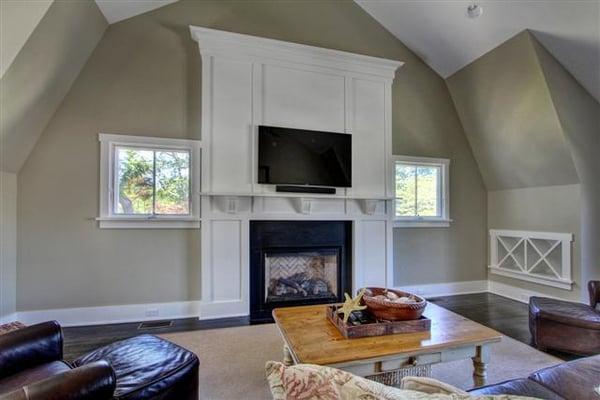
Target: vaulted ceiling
[
  {"x": 439, "y": 31},
  {"x": 442, "y": 34},
  {"x": 118, "y": 10}
]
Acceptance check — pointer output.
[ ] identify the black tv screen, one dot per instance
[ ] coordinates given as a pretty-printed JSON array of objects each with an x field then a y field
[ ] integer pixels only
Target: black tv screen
[{"x": 303, "y": 157}]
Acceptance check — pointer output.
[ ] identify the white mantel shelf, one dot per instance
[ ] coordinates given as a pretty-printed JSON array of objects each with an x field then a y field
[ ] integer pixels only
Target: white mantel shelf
[{"x": 297, "y": 195}]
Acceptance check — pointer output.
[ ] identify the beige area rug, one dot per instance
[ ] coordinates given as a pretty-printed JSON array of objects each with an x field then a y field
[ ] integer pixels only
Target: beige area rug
[{"x": 232, "y": 361}]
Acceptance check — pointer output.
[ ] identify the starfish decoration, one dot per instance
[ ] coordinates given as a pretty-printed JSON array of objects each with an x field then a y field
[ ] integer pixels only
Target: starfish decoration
[{"x": 351, "y": 304}]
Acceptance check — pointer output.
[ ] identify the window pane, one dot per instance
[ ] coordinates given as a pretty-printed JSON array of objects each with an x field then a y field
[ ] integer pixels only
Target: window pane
[
  {"x": 427, "y": 191},
  {"x": 405, "y": 190},
  {"x": 172, "y": 182},
  {"x": 136, "y": 186}
]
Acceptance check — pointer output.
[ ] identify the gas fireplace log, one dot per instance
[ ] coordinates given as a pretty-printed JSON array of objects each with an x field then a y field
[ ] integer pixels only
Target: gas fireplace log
[
  {"x": 300, "y": 285},
  {"x": 294, "y": 285}
]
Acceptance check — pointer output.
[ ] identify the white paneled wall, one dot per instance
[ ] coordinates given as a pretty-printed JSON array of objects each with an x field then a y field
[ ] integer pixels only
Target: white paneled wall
[
  {"x": 369, "y": 133},
  {"x": 249, "y": 81}
]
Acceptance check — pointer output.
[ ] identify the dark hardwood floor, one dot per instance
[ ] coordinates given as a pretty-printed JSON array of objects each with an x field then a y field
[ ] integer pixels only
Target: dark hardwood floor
[
  {"x": 507, "y": 316},
  {"x": 502, "y": 314},
  {"x": 83, "y": 339}
]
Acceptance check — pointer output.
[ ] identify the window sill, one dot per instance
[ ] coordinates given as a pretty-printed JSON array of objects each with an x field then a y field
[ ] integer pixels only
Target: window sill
[
  {"x": 440, "y": 223},
  {"x": 148, "y": 223}
]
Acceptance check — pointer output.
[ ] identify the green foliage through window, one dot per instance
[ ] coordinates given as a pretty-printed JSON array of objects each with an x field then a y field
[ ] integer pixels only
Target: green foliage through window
[
  {"x": 153, "y": 181},
  {"x": 417, "y": 190}
]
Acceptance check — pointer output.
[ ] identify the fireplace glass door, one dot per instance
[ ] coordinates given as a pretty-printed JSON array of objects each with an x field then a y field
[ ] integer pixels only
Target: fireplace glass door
[{"x": 296, "y": 276}]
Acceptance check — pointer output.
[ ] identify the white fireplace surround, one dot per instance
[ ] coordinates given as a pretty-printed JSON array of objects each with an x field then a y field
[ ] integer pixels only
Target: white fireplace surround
[{"x": 249, "y": 81}]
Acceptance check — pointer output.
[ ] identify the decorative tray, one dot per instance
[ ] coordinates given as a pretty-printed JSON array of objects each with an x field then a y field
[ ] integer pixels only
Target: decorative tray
[{"x": 364, "y": 324}]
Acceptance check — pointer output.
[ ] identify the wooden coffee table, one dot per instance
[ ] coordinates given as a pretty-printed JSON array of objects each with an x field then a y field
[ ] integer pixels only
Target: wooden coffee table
[{"x": 311, "y": 339}]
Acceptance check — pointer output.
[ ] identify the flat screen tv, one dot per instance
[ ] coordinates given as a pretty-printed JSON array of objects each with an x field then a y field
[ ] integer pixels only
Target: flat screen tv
[{"x": 289, "y": 156}]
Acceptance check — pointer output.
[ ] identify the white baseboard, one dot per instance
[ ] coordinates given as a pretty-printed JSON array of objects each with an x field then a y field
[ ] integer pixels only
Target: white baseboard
[
  {"x": 223, "y": 309},
  {"x": 515, "y": 293},
  {"x": 189, "y": 309},
  {"x": 112, "y": 314},
  {"x": 447, "y": 289},
  {"x": 12, "y": 317}
]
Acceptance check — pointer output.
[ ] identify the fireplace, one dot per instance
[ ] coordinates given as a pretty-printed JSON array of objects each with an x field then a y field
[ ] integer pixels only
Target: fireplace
[{"x": 298, "y": 263}]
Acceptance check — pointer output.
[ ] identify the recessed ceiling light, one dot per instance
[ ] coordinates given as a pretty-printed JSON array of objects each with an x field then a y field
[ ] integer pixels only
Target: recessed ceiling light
[{"x": 474, "y": 10}]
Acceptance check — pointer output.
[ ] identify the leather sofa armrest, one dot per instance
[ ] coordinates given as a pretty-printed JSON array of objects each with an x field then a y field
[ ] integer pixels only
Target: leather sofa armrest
[
  {"x": 594, "y": 289},
  {"x": 94, "y": 381},
  {"x": 31, "y": 346}
]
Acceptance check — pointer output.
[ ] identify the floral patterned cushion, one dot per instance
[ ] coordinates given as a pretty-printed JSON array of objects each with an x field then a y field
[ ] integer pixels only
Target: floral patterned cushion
[
  {"x": 11, "y": 326},
  {"x": 314, "y": 382}
]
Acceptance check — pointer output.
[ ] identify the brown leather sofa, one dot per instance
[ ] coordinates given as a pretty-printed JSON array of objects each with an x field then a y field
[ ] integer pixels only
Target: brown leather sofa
[
  {"x": 141, "y": 368},
  {"x": 575, "y": 380},
  {"x": 566, "y": 326}
]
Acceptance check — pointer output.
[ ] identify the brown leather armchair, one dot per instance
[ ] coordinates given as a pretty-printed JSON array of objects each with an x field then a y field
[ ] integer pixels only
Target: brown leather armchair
[
  {"x": 144, "y": 367},
  {"x": 31, "y": 367},
  {"x": 566, "y": 326}
]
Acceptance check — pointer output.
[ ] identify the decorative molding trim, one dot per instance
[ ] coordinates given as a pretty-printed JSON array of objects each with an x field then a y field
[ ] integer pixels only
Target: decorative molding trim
[
  {"x": 520, "y": 254},
  {"x": 515, "y": 293},
  {"x": 148, "y": 223},
  {"x": 446, "y": 289},
  {"x": 149, "y": 140},
  {"x": 534, "y": 234},
  {"x": 217, "y": 42},
  {"x": 445, "y": 223}
]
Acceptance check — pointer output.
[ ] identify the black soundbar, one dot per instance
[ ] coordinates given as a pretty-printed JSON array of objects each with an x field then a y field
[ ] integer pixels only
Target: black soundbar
[{"x": 304, "y": 189}]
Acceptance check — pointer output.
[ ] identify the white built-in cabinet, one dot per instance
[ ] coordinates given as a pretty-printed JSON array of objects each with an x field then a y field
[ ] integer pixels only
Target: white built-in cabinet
[{"x": 249, "y": 81}]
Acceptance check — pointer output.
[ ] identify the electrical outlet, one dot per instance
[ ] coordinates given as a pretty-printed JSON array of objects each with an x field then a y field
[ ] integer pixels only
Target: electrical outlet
[{"x": 152, "y": 312}]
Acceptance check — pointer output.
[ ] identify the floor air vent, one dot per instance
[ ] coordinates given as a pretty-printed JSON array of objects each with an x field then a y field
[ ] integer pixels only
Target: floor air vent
[{"x": 155, "y": 324}]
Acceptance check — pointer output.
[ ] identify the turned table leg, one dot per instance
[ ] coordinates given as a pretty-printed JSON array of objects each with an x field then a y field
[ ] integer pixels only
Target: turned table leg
[
  {"x": 480, "y": 361},
  {"x": 287, "y": 356}
]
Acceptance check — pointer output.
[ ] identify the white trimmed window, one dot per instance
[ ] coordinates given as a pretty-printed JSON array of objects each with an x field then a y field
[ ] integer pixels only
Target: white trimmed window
[
  {"x": 148, "y": 182},
  {"x": 421, "y": 192}
]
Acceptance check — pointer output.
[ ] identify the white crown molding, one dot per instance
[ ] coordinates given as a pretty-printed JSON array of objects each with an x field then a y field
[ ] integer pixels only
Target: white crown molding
[{"x": 213, "y": 42}]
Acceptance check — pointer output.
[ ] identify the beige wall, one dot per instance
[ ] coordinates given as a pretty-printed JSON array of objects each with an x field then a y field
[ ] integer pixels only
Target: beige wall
[
  {"x": 579, "y": 115},
  {"x": 18, "y": 19},
  {"x": 143, "y": 78},
  {"x": 535, "y": 133},
  {"x": 8, "y": 244},
  {"x": 549, "y": 209},
  {"x": 510, "y": 120},
  {"x": 42, "y": 73}
]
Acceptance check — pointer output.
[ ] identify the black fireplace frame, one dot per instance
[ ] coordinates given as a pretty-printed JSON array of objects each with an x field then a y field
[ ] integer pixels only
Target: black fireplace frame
[{"x": 268, "y": 237}]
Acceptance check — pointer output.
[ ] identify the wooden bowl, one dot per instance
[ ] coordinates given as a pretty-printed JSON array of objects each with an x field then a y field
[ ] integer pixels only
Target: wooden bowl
[{"x": 393, "y": 311}]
